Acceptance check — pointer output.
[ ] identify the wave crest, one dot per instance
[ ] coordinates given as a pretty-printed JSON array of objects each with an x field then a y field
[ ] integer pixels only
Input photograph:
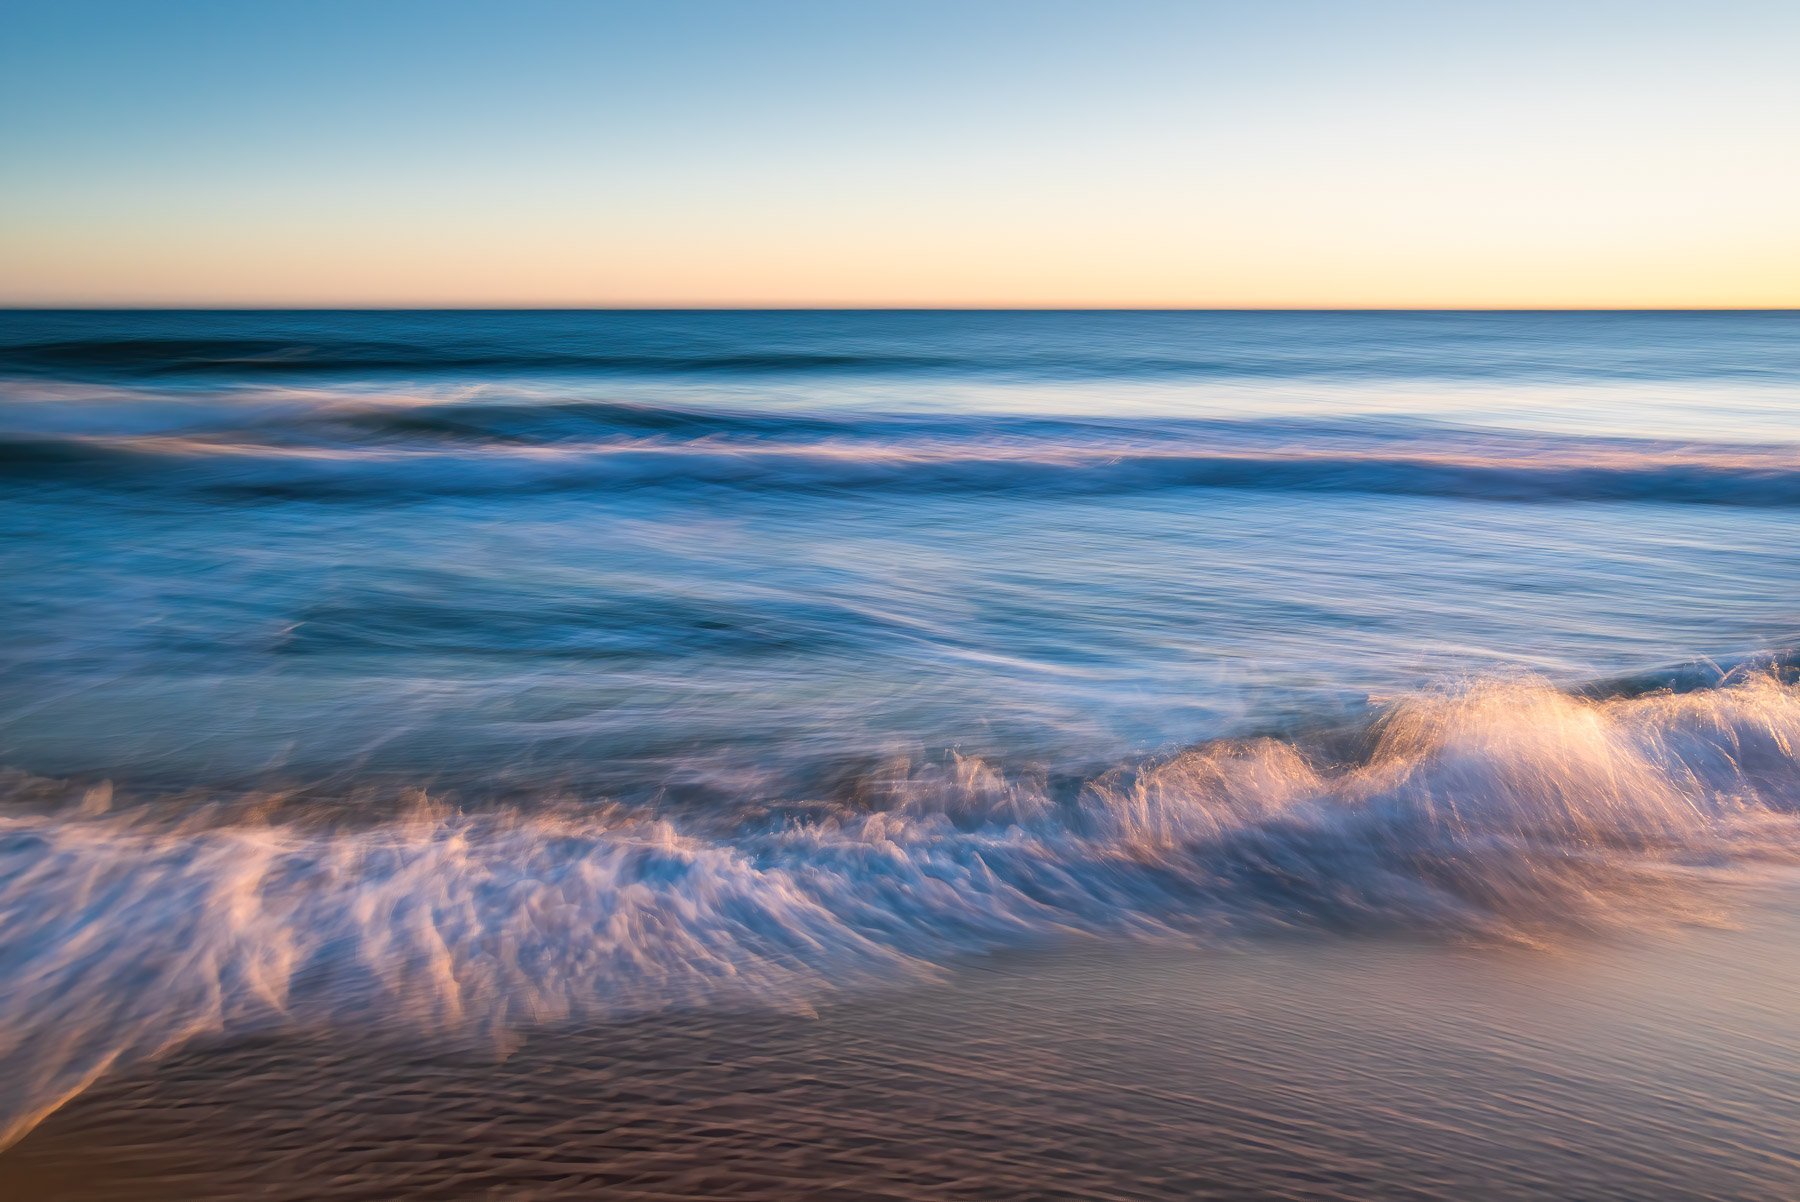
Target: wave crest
[
  {"x": 1505, "y": 810},
  {"x": 1572, "y": 472}
]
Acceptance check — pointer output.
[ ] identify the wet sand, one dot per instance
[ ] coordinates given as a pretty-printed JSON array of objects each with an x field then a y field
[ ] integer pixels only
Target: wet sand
[{"x": 1646, "y": 1066}]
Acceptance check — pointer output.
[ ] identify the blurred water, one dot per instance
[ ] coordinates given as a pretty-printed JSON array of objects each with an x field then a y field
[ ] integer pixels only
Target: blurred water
[
  {"x": 478, "y": 669},
  {"x": 626, "y": 548}
]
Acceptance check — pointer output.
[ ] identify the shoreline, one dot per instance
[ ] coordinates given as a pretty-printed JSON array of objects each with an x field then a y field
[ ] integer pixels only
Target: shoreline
[{"x": 1648, "y": 1065}]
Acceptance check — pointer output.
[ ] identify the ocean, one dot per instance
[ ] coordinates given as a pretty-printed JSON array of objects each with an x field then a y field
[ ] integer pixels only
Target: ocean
[{"x": 485, "y": 680}]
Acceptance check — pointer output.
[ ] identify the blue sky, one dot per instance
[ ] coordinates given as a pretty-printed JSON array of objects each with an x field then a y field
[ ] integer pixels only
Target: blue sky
[{"x": 539, "y": 152}]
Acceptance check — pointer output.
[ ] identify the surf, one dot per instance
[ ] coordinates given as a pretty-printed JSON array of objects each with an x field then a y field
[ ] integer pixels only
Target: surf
[{"x": 1508, "y": 810}]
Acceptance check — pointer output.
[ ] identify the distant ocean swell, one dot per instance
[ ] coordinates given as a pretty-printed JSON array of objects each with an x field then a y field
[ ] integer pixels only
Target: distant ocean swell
[
  {"x": 439, "y": 451},
  {"x": 184, "y": 356},
  {"x": 709, "y": 352},
  {"x": 1508, "y": 810}
]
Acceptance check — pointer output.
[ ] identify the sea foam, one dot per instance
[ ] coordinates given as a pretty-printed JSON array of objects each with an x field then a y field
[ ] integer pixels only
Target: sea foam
[{"x": 1506, "y": 810}]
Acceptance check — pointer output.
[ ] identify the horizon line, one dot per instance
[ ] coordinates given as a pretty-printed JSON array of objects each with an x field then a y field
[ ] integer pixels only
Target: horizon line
[{"x": 864, "y": 308}]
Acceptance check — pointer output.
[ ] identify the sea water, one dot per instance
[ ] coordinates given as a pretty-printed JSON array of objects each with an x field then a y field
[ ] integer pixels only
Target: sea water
[{"x": 466, "y": 670}]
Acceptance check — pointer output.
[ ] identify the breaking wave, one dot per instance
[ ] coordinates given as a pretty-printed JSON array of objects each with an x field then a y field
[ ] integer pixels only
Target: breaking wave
[{"x": 1506, "y": 810}]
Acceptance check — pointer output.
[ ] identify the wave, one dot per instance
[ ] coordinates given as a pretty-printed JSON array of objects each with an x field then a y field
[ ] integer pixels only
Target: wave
[
  {"x": 266, "y": 357},
  {"x": 107, "y": 358},
  {"x": 1506, "y": 810},
  {"x": 1568, "y": 470},
  {"x": 274, "y": 356},
  {"x": 201, "y": 347}
]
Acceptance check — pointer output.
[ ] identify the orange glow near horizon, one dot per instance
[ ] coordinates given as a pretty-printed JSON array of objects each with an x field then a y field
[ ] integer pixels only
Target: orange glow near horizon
[{"x": 1153, "y": 155}]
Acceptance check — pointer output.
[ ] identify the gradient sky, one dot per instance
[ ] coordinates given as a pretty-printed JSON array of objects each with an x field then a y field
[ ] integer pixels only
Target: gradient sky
[{"x": 1257, "y": 153}]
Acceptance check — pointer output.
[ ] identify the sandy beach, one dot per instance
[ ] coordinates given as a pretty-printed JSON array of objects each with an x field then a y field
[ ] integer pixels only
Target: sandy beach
[{"x": 1644, "y": 1066}]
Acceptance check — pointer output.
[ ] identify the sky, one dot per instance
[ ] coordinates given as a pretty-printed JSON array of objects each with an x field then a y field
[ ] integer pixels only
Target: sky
[{"x": 1260, "y": 153}]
